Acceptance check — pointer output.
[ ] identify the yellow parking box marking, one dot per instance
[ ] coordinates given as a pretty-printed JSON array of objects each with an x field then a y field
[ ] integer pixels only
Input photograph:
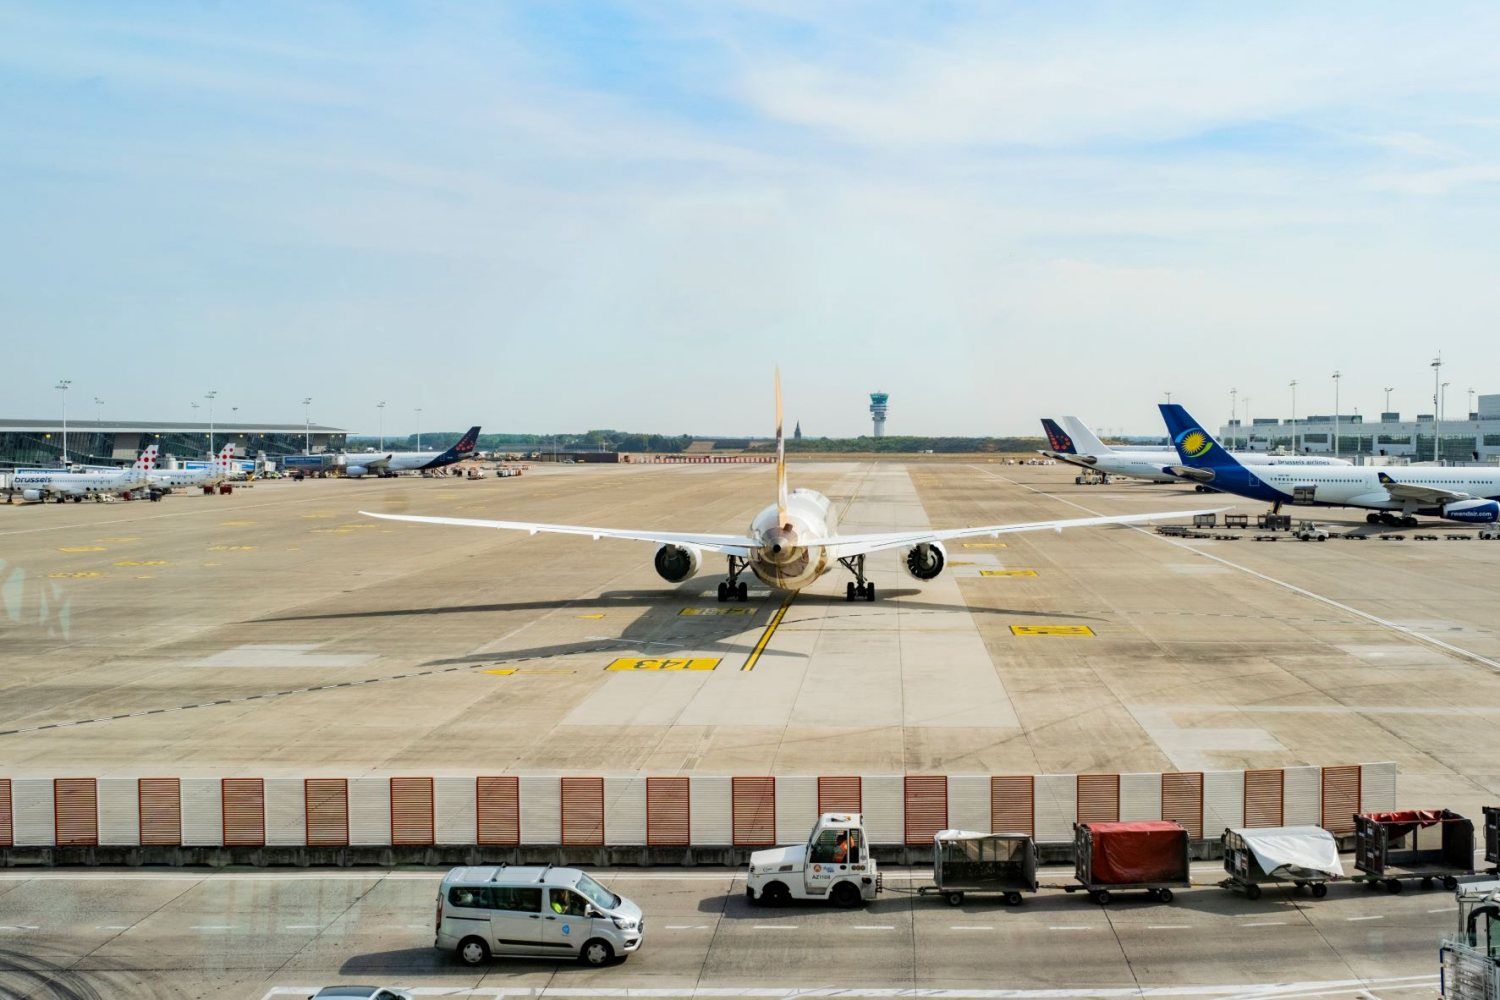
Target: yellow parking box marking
[
  {"x": 119, "y": 538},
  {"x": 984, "y": 545},
  {"x": 83, "y": 548},
  {"x": 662, "y": 663},
  {"x": 1007, "y": 572},
  {"x": 142, "y": 562},
  {"x": 591, "y": 617},
  {"x": 231, "y": 548},
  {"x": 503, "y": 671},
  {"x": 80, "y": 575},
  {"x": 765, "y": 637},
  {"x": 719, "y": 612},
  {"x": 1051, "y": 630},
  {"x": 235, "y": 524}
]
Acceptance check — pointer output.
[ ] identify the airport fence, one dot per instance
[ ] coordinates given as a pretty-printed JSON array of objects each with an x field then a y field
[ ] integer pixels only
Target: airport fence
[{"x": 624, "y": 818}]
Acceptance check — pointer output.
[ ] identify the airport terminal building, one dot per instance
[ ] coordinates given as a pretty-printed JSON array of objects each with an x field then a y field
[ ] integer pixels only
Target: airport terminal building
[
  {"x": 1473, "y": 437},
  {"x": 91, "y": 442}
]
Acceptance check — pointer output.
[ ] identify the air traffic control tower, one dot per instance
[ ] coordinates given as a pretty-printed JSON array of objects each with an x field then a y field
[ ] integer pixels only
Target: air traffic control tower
[{"x": 877, "y": 410}]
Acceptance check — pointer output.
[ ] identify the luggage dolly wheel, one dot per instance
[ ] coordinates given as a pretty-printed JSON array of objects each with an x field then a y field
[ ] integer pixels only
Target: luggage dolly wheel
[
  {"x": 1319, "y": 889},
  {"x": 1252, "y": 891},
  {"x": 1393, "y": 885},
  {"x": 954, "y": 898},
  {"x": 1450, "y": 883},
  {"x": 1012, "y": 899},
  {"x": 1165, "y": 895},
  {"x": 1427, "y": 881},
  {"x": 1101, "y": 896}
]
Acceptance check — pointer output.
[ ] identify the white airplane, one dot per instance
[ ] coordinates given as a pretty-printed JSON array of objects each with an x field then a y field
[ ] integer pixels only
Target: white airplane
[
  {"x": 41, "y": 485},
  {"x": 1469, "y": 495},
  {"x": 1077, "y": 445},
  {"x": 389, "y": 463},
  {"x": 222, "y": 469},
  {"x": 792, "y": 542}
]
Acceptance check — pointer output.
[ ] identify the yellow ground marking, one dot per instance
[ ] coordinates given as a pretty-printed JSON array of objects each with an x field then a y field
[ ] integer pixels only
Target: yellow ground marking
[
  {"x": 1007, "y": 572},
  {"x": 120, "y": 538},
  {"x": 318, "y": 515},
  {"x": 231, "y": 548},
  {"x": 80, "y": 575},
  {"x": 1051, "y": 630},
  {"x": 984, "y": 545},
  {"x": 591, "y": 617},
  {"x": 210, "y": 564},
  {"x": 148, "y": 577},
  {"x": 719, "y": 612},
  {"x": 83, "y": 548},
  {"x": 503, "y": 671},
  {"x": 142, "y": 562},
  {"x": 235, "y": 524},
  {"x": 961, "y": 562},
  {"x": 765, "y": 637},
  {"x": 626, "y": 663}
]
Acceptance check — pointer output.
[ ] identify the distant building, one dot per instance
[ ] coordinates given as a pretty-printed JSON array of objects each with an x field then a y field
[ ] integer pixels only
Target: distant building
[
  {"x": 878, "y": 407},
  {"x": 93, "y": 442},
  {"x": 797, "y": 432},
  {"x": 1460, "y": 438}
]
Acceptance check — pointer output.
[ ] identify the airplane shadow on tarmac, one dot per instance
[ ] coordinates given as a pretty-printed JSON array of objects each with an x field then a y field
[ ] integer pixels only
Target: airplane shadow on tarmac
[{"x": 662, "y": 628}]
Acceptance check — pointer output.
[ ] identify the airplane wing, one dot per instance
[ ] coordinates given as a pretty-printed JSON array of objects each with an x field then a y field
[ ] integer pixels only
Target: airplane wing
[
  {"x": 1420, "y": 494},
  {"x": 843, "y": 546},
  {"x": 728, "y": 544}
]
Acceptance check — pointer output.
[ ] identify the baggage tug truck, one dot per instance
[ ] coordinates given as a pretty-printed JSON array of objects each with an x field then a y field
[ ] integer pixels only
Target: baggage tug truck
[{"x": 835, "y": 864}]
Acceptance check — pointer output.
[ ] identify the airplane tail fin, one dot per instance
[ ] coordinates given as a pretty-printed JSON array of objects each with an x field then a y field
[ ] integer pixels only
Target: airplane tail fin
[
  {"x": 1084, "y": 438},
  {"x": 781, "y": 500},
  {"x": 466, "y": 445},
  {"x": 1195, "y": 446},
  {"x": 147, "y": 459},
  {"x": 1057, "y": 439},
  {"x": 225, "y": 462}
]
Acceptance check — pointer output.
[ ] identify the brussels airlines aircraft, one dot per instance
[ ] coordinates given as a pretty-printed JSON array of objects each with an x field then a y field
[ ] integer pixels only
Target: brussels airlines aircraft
[
  {"x": 793, "y": 541},
  {"x": 41, "y": 485},
  {"x": 391, "y": 462},
  {"x": 222, "y": 469},
  {"x": 1395, "y": 497},
  {"x": 1078, "y": 446}
]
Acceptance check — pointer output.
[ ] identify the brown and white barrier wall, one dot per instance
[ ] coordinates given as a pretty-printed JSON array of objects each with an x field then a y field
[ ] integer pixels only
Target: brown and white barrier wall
[{"x": 703, "y": 818}]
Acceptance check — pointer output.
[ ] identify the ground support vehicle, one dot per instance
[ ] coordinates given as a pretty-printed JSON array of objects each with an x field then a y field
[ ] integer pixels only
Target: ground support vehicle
[
  {"x": 833, "y": 865},
  {"x": 1146, "y": 855},
  {"x": 1470, "y": 959},
  {"x": 534, "y": 911},
  {"x": 1427, "y": 844},
  {"x": 967, "y": 862},
  {"x": 1307, "y": 531},
  {"x": 1304, "y": 856}
]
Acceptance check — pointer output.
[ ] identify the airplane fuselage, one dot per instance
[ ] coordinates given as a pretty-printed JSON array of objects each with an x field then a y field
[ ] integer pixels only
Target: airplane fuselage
[
  {"x": 1353, "y": 486},
  {"x": 782, "y": 562},
  {"x": 1152, "y": 465}
]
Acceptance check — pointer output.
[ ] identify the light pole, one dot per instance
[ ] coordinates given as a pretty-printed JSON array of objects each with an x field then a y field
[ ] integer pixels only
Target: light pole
[
  {"x": 1437, "y": 420},
  {"x": 306, "y": 425},
  {"x": 99, "y": 410},
  {"x": 1388, "y": 390},
  {"x": 380, "y": 410},
  {"x": 62, "y": 387},
  {"x": 1169, "y": 397},
  {"x": 419, "y": 428},
  {"x": 1249, "y": 433},
  {"x": 210, "y": 397},
  {"x": 1442, "y": 410},
  {"x": 1233, "y": 413},
  {"x": 1472, "y": 412},
  {"x": 1295, "y": 449},
  {"x": 1336, "y": 377}
]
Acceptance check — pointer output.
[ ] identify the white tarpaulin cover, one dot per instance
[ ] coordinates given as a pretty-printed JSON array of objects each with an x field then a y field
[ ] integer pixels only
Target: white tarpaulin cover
[{"x": 1294, "y": 851}]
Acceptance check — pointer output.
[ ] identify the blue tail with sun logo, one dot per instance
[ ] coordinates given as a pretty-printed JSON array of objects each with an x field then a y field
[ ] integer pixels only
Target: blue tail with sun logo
[
  {"x": 1059, "y": 441},
  {"x": 1195, "y": 446}
]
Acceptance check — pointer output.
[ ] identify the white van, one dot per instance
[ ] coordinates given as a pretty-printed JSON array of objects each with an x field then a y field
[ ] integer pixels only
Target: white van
[{"x": 533, "y": 911}]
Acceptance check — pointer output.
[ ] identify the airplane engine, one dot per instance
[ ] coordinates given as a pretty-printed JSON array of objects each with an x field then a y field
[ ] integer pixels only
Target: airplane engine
[
  {"x": 355, "y": 470},
  {"x": 32, "y": 495},
  {"x": 1472, "y": 511},
  {"x": 925, "y": 561},
  {"x": 675, "y": 563}
]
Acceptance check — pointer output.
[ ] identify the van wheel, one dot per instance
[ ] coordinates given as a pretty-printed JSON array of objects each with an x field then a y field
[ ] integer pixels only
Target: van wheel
[
  {"x": 596, "y": 953},
  {"x": 845, "y": 895},
  {"x": 473, "y": 951}
]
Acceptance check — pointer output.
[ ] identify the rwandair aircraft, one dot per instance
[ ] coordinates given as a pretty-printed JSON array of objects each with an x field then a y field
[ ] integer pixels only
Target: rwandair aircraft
[
  {"x": 1393, "y": 496},
  {"x": 793, "y": 541}
]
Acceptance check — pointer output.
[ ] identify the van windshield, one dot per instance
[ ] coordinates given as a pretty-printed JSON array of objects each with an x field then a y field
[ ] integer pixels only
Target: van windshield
[{"x": 596, "y": 893}]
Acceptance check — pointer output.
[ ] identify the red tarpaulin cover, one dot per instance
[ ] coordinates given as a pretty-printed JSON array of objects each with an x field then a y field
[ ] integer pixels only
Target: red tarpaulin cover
[{"x": 1131, "y": 853}]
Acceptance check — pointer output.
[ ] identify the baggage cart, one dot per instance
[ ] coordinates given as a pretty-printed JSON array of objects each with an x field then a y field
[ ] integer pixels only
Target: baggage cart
[
  {"x": 1304, "y": 856},
  {"x": 1237, "y": 520},
  {"x": 1427, "y": 844},
  {"x": 1148, "y": 856},
  {"x": 967, "y": 862}
]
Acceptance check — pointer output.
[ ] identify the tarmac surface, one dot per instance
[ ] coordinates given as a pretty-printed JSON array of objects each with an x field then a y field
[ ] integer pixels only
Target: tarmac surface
[
  {"x": 275, "y": 631},
  {"x": 258, "y": 935}
]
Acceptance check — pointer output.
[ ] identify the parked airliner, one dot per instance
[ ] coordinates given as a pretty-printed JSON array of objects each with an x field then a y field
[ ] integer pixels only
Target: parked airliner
[
  {"x": 388, "y": 463},
  {"x": 1394, "y": 495},
  {"x": 222, "y": 469},
  {"x": 1077, "y": 445},
  {"x": 792, "y": 542},
  {"x": 41, "y": 485}
]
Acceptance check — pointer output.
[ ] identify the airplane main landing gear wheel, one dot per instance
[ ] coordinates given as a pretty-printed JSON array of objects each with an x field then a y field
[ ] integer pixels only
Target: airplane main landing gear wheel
[
  {"x": 861, "y": 589},
  {"x": 735, "y": 589},
  {"x": 1372, "y": 518}
]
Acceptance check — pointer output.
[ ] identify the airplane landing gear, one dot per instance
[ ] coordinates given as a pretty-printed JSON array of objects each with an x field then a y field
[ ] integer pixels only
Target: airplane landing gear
[
  {"x": 735, "y": 589},
  {"x": 1372, "y": 518},
  {"x": 861, "y": 589}
]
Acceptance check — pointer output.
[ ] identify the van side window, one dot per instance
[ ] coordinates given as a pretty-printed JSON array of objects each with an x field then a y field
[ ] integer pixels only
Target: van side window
[
  {"x": 473, "y": 898},
  {"x": 518, "y": 898}
]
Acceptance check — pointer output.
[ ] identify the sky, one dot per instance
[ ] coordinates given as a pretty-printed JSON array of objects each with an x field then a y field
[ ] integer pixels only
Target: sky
[{"x": 560, "y": 216}]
